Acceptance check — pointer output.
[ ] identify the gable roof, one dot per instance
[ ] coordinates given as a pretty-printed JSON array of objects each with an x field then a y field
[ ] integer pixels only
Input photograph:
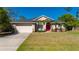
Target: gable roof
[{"x": 43, "y": 18}]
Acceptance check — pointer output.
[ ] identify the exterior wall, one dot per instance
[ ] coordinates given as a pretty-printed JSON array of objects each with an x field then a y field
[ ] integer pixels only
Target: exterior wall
[
  {"x": 39, "y": 26},
  {"x": 58, "y": 28},
  {"x": 76, "y": 28},
  {"x": 53, "y": 27},
  {"x": 30, "y": 27},
  {"x": 33, "y": 27}
]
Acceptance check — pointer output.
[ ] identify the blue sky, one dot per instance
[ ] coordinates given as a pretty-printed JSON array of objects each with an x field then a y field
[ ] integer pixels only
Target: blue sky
[{"x": 32, "y": 12}]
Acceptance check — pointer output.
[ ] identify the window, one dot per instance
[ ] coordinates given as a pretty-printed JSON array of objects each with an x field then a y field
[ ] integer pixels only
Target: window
[{"x": 40, "y": 27}]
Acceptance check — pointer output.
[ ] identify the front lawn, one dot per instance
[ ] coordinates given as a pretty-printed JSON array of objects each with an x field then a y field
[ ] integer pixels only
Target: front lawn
[{"x": 51, "y": 41}]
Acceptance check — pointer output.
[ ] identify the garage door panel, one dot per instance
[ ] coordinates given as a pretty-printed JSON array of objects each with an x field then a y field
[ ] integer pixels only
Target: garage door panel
[{"x": 23, "y": 29}]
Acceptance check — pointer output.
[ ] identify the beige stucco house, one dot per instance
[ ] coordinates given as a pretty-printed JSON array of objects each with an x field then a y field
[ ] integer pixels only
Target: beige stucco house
[{"x": 39, "y": 24}]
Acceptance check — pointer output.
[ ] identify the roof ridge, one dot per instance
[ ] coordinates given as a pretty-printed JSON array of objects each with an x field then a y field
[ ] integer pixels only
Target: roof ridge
[{"x": 42, "y": 16}]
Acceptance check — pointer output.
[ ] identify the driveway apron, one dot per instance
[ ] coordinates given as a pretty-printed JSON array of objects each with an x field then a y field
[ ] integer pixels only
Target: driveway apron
[{"x": 12, "y": 42}]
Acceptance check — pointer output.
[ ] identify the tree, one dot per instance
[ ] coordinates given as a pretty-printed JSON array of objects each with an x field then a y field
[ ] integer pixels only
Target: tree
[
  {"x": 22, "y": 19},
  {"x": 12, "y": 14},
  {"x": 77, "y": 14},
  {"x": 4, "y": 19},
  {"x": 68, "y": 9},
  {"x": 70, "y": 21}
]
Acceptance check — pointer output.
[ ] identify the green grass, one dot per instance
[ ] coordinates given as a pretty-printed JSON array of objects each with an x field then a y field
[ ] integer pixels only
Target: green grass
[{"x": 52, "y": 41}]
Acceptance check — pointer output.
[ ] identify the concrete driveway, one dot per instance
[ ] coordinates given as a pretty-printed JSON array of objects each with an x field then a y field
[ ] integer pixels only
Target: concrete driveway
[{"x": 12, "y": 42}]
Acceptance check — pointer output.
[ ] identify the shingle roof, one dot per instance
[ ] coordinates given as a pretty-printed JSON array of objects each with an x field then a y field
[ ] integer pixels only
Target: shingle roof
[{"x": 42, "y": 18}]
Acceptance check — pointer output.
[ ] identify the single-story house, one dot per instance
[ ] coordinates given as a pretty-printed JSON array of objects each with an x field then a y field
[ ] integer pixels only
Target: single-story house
[{"x": 41, "y": 23}]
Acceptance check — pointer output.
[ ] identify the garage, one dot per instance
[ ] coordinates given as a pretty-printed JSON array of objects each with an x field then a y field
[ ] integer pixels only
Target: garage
[{"x": 23, "y": 27}]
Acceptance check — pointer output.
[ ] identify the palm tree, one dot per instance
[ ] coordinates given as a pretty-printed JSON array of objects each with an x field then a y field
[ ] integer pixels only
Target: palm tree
[
  {"x": 68, "y": 9},
  {"x": 77, "y": 14}
]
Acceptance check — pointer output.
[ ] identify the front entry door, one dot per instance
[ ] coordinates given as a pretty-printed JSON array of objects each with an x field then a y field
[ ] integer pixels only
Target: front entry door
[{"x": 48, "y": 26}]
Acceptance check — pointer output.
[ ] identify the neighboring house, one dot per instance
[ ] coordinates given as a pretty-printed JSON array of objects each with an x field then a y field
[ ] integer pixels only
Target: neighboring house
[{"x": 41, "y": 23}]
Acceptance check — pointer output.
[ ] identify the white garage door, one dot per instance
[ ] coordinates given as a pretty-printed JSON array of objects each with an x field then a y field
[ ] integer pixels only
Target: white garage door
[{"x": 24, "y": 29}]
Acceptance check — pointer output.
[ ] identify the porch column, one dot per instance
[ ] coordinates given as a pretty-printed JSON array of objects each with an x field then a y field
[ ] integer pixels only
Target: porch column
[
  {"x": 62, "y": 27},
  {"x": 44, "y": 26},
  {"x": 57, "y": 28},
  {"x": 33, "y": 27},
  {"x": 53, "y": 27}
]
